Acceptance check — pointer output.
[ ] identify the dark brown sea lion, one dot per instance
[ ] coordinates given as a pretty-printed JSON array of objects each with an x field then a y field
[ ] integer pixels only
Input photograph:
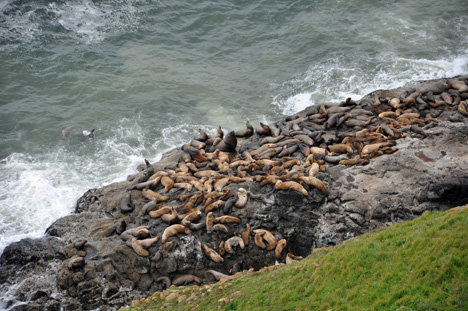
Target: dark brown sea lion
[{"x": 126, "y": 205}]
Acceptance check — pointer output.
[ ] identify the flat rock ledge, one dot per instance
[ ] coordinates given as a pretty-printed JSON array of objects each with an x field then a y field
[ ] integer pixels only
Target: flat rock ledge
[{"x": 84, "y": 263}]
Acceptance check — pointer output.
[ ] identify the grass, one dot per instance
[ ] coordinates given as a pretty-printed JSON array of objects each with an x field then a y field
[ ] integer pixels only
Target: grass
[{"x": 415, "y": 265}]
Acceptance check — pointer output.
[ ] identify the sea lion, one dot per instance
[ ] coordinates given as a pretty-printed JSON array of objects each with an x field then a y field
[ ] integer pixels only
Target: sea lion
[
  {"x": 263, "y": 129},
  {"x": 192, "y": 216},
  {"x": 246, "y": 234},
  {"x": 212, "y": 254},
  {"x": 226, "y": 219},
  {"x": 194, "y": 227},
  {"x": 213, "y": 206},
  {"x": 166, "y": 282},
  {"x": 218, "y": 227},
  {"x": 340, "y": 148},
  {"x": 463, "y": 108},
  {"x": 228, "y": 205},
  {"x": 167, "y": 182},
  {"x": 138, "y": 232},
  {"x": 246, "y": 132},
  {"x": 290, "y": 258},
  {"x": 233, "y": 242},
  {"x": 290, "y": 185},
  {"x": 170, "y": 217},
  {"x": 218, "y": 275},
  {"x": 268, "y": 237},
  {"x": 241, "y": 198},
  {"x": 220, "y": 183},
  {"x": 258, "y": 239},
  {"x": 202, "y": 136},
  {"x": 237, "y": 267},
  {"x": 138, "y": 248},
  {"x": 317, "y": 183},
  {"x": 173, "y": 230},
  {"x": 65, "y": 132},
  {"x": 185, "y": 279},
  {"x": 162, "y": 211},
  {"x": 280, "y": 246},
  {"x": 126, "y": 205},
  {"x": 146, "y": 243},
  {"x": 151, "y": 205},
  {"x": 314, "y": 169},
  {"x": 209, "y": 221},
  {"x": 150, "y": 194}
]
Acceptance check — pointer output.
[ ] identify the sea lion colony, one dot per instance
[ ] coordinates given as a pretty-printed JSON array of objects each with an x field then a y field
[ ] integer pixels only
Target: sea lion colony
[{"x": 201, "y": 192}]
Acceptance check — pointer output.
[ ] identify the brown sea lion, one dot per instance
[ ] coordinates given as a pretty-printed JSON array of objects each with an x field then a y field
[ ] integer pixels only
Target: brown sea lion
[
  {"x": 263, "y": 129},
  {"x": 185, "y": 279},
  {"x": 246, "y": 132},
  {"x": 258, "y": 239},
  {"x": 209, "y": 221},
  {"x": 212, "y": 254},
  {"x": 146, "y": 243},
  {"x": 226, "y": 219},
  {"x": 290, "y": 185},
  {"x": 173, "y": 230},
  {"x": 150, "y": 194},
  {"x": 213, "y": 206},
  {"x": 166, "y": 282},
  {"x": 158, "y": 213},
  {"x": 138, "y": 248},
  {"x": 268, "y": 237},
  {"x": 317, "y": 183},
  {"x": 280, "y": 246},
  {"x": 170, "y": 217},
  {"x": 246, "y": 234}
]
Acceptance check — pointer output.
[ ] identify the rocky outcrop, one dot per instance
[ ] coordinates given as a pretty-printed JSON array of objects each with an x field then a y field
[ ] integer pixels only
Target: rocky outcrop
[{"x": 394, "y": 166}]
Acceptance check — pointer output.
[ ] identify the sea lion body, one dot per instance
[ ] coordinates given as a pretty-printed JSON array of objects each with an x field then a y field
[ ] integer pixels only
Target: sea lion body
[{"x": 174, "y": 230}]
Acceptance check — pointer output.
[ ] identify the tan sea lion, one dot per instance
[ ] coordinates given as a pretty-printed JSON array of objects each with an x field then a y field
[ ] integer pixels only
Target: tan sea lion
[
  {"x": 212, "y": 254},
  {"x": 258, "y": 239},
  {"x": 150, "y": 194},
  {"x": 173, "y": 230},
  {"x": 170, "y": 217},
  {"x": 241, "y": 198},
  {"x": 220, "y": 183},
  {"x": 158, "y": 213},
  {"x": 280, "y": 246},
  {"x": 146, "y": 243},
  {"x": 290, "y": 185},
  {"x": 268, "y": 237},
  {"x": 226, "y": 219},
  {"x": 138, "y": 248},
  {"x": 317, "y": 183},
  {"x": 192, "y": 216}
]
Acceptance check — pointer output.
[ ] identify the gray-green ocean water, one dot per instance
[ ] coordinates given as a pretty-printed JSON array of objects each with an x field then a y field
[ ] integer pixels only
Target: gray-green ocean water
[{"x": 148, "y": 74}]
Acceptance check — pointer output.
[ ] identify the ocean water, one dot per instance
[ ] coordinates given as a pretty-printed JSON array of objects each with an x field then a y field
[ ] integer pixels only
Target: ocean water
[{"x": 147, "y": 74}]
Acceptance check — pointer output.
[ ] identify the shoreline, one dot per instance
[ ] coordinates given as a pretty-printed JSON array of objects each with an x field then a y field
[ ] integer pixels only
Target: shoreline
[{"x": 340, "y": 170}]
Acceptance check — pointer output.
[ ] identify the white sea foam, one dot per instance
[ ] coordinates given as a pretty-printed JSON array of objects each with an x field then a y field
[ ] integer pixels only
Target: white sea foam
[
  {"x": 336, "y": 80},
  {"x": 38, "y": 189}
]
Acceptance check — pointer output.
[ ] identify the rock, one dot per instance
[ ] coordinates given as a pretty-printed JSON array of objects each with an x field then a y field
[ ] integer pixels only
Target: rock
[{"x": 86, "y": 262}]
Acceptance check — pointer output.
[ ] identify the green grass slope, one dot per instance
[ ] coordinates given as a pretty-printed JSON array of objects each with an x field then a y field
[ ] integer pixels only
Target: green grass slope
[{"x": 416, "y": 265}]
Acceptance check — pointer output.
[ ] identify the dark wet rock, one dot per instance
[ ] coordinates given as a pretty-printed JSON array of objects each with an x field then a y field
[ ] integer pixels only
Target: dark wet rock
[{"x": 84, "y": 264}]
